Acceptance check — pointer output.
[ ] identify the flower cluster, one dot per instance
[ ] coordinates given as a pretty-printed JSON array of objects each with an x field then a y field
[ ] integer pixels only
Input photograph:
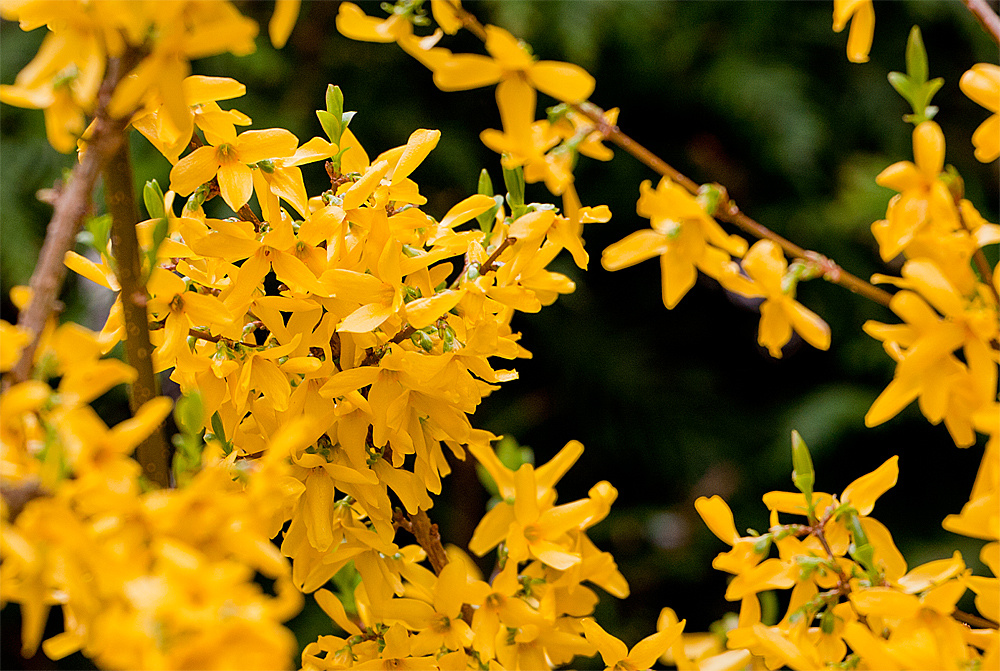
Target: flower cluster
[
  {"x": 853, "y": 600},
  {"x": 331, "y": 347},
  {"x": 146, "y": 579}
]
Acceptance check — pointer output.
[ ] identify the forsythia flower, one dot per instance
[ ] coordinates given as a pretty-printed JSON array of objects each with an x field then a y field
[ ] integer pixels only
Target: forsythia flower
[
  {"x": 684, "y": 237},
  {"x": 228, "y": 159},
  {"x": 982, "y": 84},
  {"x": 780, "y": 312},
  {"x": 923, "y": 199}
]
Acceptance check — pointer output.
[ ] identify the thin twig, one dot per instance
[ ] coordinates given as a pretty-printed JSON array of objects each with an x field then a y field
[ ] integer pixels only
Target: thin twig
[
  {"x": 729, "y": 212},
  {"x": 119, "y": 196},
  {"x": 987, "y": 18},
  {"x": 490, "y": 264},
  {"x": 72, "y": 206},
  {"x": 974, "y": 620}
]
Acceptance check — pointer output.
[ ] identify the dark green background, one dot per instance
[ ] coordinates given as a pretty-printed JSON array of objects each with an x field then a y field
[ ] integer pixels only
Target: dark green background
[{"x": 671, "y": 405}]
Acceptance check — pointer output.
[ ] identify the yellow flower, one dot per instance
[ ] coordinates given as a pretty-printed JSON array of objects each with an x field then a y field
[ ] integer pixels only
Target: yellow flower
[
  {"x": 228, "y": 159},
  {"x": 982, "y": 84},
  {"x": 509, "y": 60},
  {"x": 780, "y": 312},
  {"x": 927, "y": 369},
  {"x": 181, "y": 310},
  {"x": 923, "y": 197},
  {"x": 684, "y": 237},
  {"x": 617, "y": 656},
  {"x": 862, "y": 17}
]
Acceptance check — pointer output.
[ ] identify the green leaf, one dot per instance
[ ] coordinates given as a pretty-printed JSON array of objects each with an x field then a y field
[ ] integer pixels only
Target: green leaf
[
  {"x": 485, "y": 183},
  {"x": 803, "y": 474},
  {"x": 189, "y": 413},
  {"x": 916, "y": 57},
  {"x": 100, "y": 229},
  {"x": 513, "y": 179},
  {"x": 345, "y": 119},
  {"x": 152, "y": 196},
  {"x": 331, "y": 124},
  {"x": 334, "y": 100},
  {"x": 217, "y": 428},
  {"x": 903, "y": 84}
]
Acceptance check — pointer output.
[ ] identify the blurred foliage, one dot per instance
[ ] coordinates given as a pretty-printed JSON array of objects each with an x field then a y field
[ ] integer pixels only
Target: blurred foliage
[{"x": 758, "y": 96}]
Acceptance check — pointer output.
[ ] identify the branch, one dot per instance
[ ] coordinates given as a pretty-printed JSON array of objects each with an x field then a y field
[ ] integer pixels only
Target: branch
[
  {"x": 119, "y": 196},
  {"x": 728, "y": 211},
  {"x": 974, "y": 620},
  {"x": 72, "y": 206},
  {"x": 987, "y": 18},
  {"x": 429, "y": 538}
]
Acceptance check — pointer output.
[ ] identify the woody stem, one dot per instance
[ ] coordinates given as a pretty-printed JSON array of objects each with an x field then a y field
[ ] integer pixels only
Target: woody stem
[
  {"x": 729, "y": 212},
  {"x": 119, "y": 196}
]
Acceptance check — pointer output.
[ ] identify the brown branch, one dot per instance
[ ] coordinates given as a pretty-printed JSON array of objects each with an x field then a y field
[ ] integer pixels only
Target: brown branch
[
  {"x": 987, "y": 18},
  {"x": 974, "y": 620},
  {"x": 72, "y": 206},
  {"x": 471, "y": 23},
  {"x": 429, "y": 538},
  {"x": 119, "y": 196},
  {"x": 728, "y": 211},
  {"x": 490, "y": 264}
]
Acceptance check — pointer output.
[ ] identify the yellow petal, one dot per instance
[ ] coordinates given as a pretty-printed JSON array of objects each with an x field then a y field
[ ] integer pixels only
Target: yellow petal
[
  {"x": 353, "y": 23},
  {"x": 612, "y": 650},
  {"x": 193, "y": 170},
  {"x": 200, "y": 89},
  {"x": 633, "y": 249},
  {"x": 885, "y": 602},
  {"x": 282, "y": 21},
  {"x": 982, "y": 84},
  {"x": 235, "y": 184},
  {"x": 419, "y": 145},
  {"x": 928, "y": 148},
  {"x": 563, "y": 81},
  {"x": 257, "y": 145},
  {"x": 466, "y": 71},
  {"x": 466, "y": 210},
  {"x": 863, "y": 492},
  {"x": 424, "y": 311},
  {"x": 718, "y": 517}
]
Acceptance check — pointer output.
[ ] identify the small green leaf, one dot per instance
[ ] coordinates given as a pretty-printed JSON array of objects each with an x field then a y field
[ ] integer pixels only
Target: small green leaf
[
  {"x": 485, "y": 183},
  {"x": 513, "y": 179},
  {"x": 803, "y": 474},
  {"x": 345, "y": 119},
  {"x": 903, "y": 84},
  {"x": 916, "y": 57},
  {"x": 217, "y": 428},
  {"x": 152, "y": 196},
  {"x": 331, "y": 126},
  {"x": 334, "y": 100},
  {"x": 100, "y": 229},
  {"x": 189, "y": 413}
]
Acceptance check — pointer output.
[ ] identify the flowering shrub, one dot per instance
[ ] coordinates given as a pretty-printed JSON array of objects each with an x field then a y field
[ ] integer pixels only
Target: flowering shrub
[{"x": 331, "y": 347}]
